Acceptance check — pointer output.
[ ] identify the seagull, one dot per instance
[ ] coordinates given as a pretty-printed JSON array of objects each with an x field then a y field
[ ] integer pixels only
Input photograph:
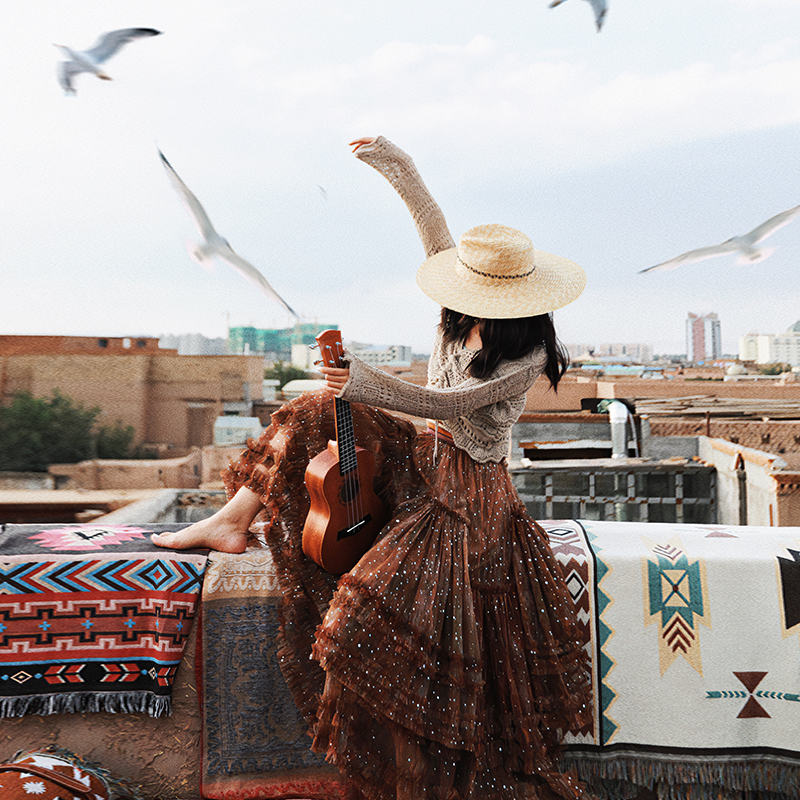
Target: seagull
[
  {"x": 600, "y": 8},
  {"x": 214, "y": 244},
  {"x": 745, "y": 245},
  {"x": 78, "y": 61}
]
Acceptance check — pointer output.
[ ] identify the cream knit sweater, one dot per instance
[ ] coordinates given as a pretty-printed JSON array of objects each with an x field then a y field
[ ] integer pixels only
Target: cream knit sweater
[{"x": 478, "y": 413}]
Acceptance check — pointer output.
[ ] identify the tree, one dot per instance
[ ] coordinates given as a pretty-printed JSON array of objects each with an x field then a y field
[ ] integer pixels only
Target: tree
[
  {"x": 283, "y": 373},
  {"x": 38, "y": 431},
  {"x": 116, "y": 441},
  {"x": 775, "y": 369}
]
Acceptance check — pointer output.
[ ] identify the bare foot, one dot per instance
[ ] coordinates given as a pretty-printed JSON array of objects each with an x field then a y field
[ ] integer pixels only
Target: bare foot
[
  {"x": 226, "y": 537},
  {"x": 225, "y": 531}
]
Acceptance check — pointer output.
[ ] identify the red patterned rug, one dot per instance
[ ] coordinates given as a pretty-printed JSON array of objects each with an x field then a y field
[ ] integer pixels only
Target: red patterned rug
[{"x": 92, "y": 618}]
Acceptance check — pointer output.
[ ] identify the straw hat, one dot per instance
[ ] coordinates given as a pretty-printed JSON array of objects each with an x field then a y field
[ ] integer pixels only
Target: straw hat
[{"x": 495, "y": 273}]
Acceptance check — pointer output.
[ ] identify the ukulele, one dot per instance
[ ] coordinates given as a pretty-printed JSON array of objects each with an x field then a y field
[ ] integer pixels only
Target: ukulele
[{"x": 346, "y": 514}]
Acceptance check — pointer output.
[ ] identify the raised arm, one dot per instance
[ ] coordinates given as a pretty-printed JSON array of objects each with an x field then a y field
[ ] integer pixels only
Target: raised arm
[{"x": 398, "y": 168}]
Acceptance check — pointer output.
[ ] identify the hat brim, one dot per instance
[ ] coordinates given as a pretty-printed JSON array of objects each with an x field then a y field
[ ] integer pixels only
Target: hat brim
[{"x": 554, "y": 282}]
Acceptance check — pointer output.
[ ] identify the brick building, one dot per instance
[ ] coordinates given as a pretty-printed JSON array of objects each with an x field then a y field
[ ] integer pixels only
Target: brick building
[{"x": 169, "y": 399}]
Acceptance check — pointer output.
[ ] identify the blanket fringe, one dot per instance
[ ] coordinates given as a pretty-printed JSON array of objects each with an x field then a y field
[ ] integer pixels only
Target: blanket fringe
[
  {"x": 706, "y": 777},
  {"x": 86, "y": 702}
]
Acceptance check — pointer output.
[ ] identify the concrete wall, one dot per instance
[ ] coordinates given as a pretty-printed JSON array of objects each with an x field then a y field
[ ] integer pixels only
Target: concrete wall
[
  {"x": 214, "y": 461},
  {"x": 13, "y": 481},
  {"x": 660, "y": 447},
  {"x": 201, "y": 467},
  {"x": 746, "y": 484},
  {"x": 178, "y": 473},
  {"x": 559, "y": 428}
]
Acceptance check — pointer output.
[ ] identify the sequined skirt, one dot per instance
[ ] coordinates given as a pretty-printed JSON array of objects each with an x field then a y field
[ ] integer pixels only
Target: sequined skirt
[{"x": 445, "y": 665}]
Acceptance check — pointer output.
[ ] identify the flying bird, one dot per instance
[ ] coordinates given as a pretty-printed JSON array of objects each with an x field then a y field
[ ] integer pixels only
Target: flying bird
[
  {"x": 600, "y": 8},
  {"x": 215, "y": 245},
  {"x": 78, "y": 61},
  {"x": 745, "y": 244}
]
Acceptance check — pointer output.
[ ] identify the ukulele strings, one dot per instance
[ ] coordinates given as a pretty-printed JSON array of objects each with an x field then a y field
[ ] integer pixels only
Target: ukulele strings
[
  {"x": 354, "y": 482},
  {"x": 346, "y": 436}
]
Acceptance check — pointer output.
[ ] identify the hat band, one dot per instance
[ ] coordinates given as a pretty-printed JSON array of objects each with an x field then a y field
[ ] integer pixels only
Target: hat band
[{"x": 492, "y": 275}]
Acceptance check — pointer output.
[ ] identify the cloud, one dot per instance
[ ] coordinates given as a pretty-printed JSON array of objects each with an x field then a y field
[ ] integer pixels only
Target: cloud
[{"x": 544, "y": 109}]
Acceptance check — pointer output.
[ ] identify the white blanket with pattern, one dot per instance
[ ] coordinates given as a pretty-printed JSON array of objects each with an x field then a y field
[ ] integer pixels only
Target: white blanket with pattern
[{"x": 694, "y": 633}]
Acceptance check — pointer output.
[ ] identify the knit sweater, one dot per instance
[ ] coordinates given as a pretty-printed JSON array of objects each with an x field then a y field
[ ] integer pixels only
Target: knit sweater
[{"x": 479, "y": 413}]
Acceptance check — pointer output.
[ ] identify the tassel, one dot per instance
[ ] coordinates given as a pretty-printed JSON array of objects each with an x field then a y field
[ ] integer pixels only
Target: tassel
[
  {"x": 691, "y": 778},
  {"x": 85, "y": 702}
]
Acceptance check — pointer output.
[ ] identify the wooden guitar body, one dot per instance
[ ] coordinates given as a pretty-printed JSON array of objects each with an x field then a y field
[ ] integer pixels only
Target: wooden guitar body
[{"x": 345, "y": 515}]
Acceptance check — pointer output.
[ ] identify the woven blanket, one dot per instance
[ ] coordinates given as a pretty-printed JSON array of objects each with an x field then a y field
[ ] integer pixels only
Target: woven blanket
[
  {"x": 92, "y": 618},
  {"x": 694, "y": 633},
  {"x": 254, "y": 740},
  {"x": 694, "y": 638}
]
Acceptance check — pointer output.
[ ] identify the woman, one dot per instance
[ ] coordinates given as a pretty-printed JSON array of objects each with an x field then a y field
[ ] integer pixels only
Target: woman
[{"x": 446, "y": 664}]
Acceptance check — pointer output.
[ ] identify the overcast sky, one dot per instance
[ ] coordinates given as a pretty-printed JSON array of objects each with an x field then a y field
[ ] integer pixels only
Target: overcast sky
[{"x": 673, "y": 128}]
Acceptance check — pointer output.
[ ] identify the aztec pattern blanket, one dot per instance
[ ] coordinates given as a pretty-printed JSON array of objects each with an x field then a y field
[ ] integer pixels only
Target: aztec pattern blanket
[
  {"x": 694, "y": 637},
  {"x": 254, "y": 741},
  {"x": 694, "y": 633},
  {"x": 92, "y": 618}
]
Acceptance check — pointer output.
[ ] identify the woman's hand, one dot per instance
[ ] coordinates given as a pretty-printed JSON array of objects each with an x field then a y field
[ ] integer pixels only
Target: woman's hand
[
  {"x": 363, "y": 140},
  {"x": 335, "y": 378}
]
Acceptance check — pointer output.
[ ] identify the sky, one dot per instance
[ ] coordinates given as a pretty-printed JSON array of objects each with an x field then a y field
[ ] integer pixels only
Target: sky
[{"x": 675, "y": 127}]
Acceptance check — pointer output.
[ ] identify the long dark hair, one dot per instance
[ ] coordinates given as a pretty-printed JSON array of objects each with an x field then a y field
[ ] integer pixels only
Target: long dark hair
[{"x": 507, "y": 339}]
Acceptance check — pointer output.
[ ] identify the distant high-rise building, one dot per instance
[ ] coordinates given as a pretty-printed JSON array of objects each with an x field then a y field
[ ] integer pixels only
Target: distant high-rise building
[
  {"x": 193, "y": 344},
  {"x": 703, "y": 337},
  {"x": 635, "y": 352},
  {"x": 771, "y": 348},
  {"x": 273, "y": 344},
  {"x": 394, "y": 354}
]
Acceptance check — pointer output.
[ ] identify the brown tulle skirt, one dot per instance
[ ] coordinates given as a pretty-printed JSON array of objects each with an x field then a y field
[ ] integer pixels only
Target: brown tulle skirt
[{"x": 445, "y": 665}]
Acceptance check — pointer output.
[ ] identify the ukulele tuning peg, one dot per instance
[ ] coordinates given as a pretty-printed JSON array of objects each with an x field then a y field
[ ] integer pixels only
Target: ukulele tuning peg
[{"x": 313, "y": 347}]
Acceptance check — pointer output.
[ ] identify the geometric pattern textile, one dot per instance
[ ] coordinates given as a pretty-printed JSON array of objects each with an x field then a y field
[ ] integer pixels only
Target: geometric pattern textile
[
  {"x": 92, "y": 617},
  {"x": 255, "y": 743},
  {"x": 52, "y": 773},
  {"x": 676, "y": 588},
  {"x": 705, "y": 703}
]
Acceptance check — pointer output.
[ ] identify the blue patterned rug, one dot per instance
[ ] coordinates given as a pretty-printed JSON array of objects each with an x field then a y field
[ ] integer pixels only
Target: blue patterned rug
[{"x": 255, "y": 742}]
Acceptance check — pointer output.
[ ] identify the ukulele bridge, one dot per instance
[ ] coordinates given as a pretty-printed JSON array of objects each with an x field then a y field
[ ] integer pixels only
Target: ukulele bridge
[{"x": 344, "y": 533}]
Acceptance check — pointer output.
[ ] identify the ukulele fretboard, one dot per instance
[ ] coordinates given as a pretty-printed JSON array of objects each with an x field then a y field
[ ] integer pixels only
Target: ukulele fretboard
[{"x": 345, "y": 436}]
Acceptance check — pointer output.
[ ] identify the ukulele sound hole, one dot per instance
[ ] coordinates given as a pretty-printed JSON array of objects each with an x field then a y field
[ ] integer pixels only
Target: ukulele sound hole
[{"x": 348, "y": 492}]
